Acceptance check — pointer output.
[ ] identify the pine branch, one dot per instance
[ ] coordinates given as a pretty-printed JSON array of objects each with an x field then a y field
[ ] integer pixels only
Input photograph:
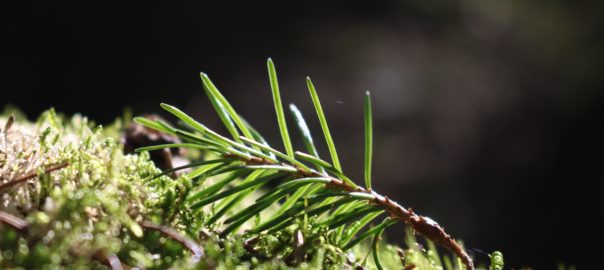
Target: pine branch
[{"x": 304, "y": 192}]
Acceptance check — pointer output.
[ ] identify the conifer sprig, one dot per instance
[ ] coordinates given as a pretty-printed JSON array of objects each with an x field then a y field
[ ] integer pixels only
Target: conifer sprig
[{"x": 305, "y": 185}]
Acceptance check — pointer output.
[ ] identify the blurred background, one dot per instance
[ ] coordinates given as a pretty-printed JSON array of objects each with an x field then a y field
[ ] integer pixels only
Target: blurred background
[{"x": 487, "y": 113}]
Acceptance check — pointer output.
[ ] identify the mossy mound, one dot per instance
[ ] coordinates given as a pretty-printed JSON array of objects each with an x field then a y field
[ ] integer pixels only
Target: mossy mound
[{"x": 88, "y": 205}]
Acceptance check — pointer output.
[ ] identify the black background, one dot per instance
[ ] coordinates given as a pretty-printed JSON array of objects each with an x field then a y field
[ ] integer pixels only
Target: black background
[{"x": 487, "y": 116}]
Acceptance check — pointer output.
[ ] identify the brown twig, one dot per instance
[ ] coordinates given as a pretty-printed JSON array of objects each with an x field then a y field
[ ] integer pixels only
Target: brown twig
[
  {"x": 110, "y": 260},
  {"x": 9, "y": 123},
  {"x": 191, "y": 245},
  {"x": 16, "y": 223},
  {"x": 31, "y": 174}
]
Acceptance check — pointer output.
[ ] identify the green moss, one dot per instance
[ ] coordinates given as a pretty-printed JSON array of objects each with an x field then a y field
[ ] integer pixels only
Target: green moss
[{"x": 81, "y": 216}]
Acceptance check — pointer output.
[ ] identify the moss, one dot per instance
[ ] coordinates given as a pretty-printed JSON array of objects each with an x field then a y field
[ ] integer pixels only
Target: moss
[{"x": 91, "y": 213}]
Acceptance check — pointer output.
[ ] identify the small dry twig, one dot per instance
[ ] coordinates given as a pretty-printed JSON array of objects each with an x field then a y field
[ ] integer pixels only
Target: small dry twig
[
  {"x": 110, "y": 260},
  {"x": 9, "y": 123},
  {"x": 191, "y": 245},
  {"x": 31, "y": 174},
  {"x": 15, "y": 222}
]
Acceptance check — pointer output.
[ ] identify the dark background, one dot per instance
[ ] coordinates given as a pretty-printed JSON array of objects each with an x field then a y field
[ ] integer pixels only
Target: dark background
[{"x": 487, "y": 113}]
